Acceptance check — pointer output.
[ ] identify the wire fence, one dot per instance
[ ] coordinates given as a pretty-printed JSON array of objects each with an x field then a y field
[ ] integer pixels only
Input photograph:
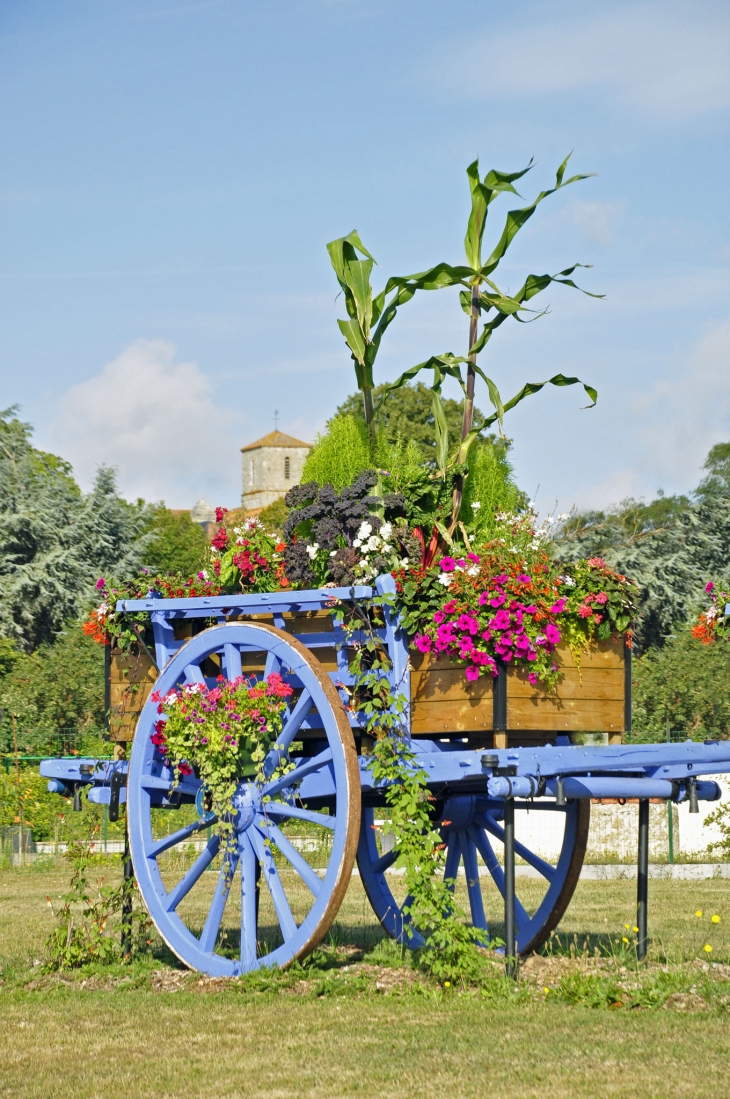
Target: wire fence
[{"x": 28, "y": 745}]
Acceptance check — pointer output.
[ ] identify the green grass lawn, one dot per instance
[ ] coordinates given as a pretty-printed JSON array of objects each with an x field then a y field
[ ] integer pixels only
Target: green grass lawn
[{"x": 359, "y": 1020}]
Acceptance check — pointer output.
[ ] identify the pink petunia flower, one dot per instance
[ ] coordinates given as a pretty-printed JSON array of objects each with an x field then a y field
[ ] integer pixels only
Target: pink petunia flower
[
  {"x": 423, "y": 643},
  {"x": 497, "y": 599},
  {"x": 532, "y": 678},
  {"x": 447, "y": 564},
  {"x": 558, "y": 605},
  {"x": 708, "y": 587},
  {"x": 473, "y": 557},
  {"x": 501, "y": 621},
  {"x": 471, "y": 672},
  {"x": 438, "y": 617},
  {"x": 524, "y": 578},
  {"x": 450, "y": 607},
  {"x": 552, "y": 633},
  {"x": 101, "y": 582}
]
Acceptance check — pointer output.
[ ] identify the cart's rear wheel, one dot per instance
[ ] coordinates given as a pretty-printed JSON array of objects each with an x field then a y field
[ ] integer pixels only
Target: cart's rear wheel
[
  {"x": 469, "y": 832},
  {"x": 297, "y": 833}
]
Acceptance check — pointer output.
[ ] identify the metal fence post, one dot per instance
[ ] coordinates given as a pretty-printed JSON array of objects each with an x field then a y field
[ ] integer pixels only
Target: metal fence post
[
  {"x": 510, "y": 948},
  {"x": 670, "y": 807},
  {"x": 642, "y": 882}
]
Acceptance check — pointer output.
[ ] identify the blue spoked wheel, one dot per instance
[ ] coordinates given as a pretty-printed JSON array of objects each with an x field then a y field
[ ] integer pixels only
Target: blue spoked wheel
[
  {"x": 470, "y": 827},
  {"x": 296, "y": 835}
]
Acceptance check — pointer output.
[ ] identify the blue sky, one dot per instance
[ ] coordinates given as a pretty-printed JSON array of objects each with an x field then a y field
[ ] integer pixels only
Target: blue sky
[{"x": 171, "y": 172}]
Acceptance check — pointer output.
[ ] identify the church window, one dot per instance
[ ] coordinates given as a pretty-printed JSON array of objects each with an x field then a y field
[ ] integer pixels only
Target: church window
[{"x": 287, "y": 469}]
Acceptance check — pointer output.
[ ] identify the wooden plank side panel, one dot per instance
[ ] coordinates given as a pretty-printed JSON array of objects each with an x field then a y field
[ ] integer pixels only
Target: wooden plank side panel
[
  {"x": 574, "y": 715},
  {"x": 438, "y": 680},
  {"x": 448, "y": 717},
  {"x": 596, "y": 683},
  {"x": 589, "y": 698}
]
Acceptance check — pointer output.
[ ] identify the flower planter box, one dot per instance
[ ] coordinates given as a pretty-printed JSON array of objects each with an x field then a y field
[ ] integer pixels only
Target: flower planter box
[
  {"x": 509, "y": 711},
  {"x": 500, "y": 712}
]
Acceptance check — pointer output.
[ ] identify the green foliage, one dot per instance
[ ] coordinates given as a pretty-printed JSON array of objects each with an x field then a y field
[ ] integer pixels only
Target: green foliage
[
  {"x": 9, "y": 656},
  {"x": 717, "y": 481},
  {"x": 489, "y": 489},
  {"x": 54, "y": 541},
  {"x": 408, "y": 415},
  {"x": 58, "y": 686},
  {"x": 274, "y": 516},
  {"x": 685, "y": 683},
  {"x": 721, "y": 818},
  {"x": 340, "y": 454},
  {"x": 178, "y": 545},
  {"x": 670, "y": 546},
  {"x": 89, "y": 923}
]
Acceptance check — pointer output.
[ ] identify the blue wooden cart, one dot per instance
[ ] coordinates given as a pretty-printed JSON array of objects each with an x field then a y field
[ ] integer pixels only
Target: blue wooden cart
[{"x": 299, "y": 834}]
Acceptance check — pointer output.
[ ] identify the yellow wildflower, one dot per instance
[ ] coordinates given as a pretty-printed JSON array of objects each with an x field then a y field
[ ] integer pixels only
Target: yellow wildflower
[
  {"x": 447, "y": 984},
  {"x": 635, "y": 929},
  {"x": 698, "y": 913},
  {"x": 707, "y": 948},
  {"x": 624, "y": 940},
  {"x": 715, "y": 919}
]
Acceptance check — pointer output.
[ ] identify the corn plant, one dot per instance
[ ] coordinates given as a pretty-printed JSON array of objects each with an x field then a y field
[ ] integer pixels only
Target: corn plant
[{"x": 479, "y": 296}]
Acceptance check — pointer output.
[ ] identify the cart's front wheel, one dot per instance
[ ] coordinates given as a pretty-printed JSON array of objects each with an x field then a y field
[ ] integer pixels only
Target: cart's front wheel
[
  {"x": 469, "y": 830},
  {"x": 297, "y": 832}
]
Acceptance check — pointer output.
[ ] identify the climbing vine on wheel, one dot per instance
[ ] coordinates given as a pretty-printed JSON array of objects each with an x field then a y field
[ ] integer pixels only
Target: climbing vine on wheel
[{"x": 431, "y": 910}]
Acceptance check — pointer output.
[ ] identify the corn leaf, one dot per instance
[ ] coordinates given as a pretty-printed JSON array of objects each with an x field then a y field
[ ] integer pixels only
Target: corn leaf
[
  {"x": 517, "y": 218},
  {"x": 535, "y": 387}
]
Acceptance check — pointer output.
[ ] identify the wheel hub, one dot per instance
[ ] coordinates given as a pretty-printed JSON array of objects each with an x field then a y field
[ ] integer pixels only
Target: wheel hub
[
  {"x": 247, "y": 803},
  {"x": 459, "y": 812}
]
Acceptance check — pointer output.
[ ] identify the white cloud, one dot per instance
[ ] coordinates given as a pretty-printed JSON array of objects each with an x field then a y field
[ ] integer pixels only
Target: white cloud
[
  {"x": 680, "y": 419},
  {"x": 155, "y": 420},
  {"x": 596, "y": 220},
  {"x": 670, "y": 60}
]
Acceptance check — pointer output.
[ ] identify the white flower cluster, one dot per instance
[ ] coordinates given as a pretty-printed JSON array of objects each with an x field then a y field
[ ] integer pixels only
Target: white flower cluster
[{"x": 370, "y": 544}]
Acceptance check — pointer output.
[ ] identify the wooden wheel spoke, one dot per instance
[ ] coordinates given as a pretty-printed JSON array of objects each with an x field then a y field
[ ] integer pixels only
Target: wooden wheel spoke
[
  {"x": 193, "y": 674},
  {"x": 274, "y": 884},
  {"x": 385, "y": 861},
  {"x": 174, "y": 838},
  {"x": 474, "y": 889},
  {"x": 273, "y": 664},
  {"x": 525, "y": 853},
  {"x": 306, "y": 767},
  {"x": 186, "y": 883},
  {"x": 282, "y": 809},
  {"x": 453, "y": 858},
  {"x": 232, "y": 661},
  {"x": 293, "y": 721},
  {"x": 310, "y": 878},
  {"x": 248, "y": 903},
  {"x": 485, "y": 849},
  {"x": 209, "y": 934}
]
